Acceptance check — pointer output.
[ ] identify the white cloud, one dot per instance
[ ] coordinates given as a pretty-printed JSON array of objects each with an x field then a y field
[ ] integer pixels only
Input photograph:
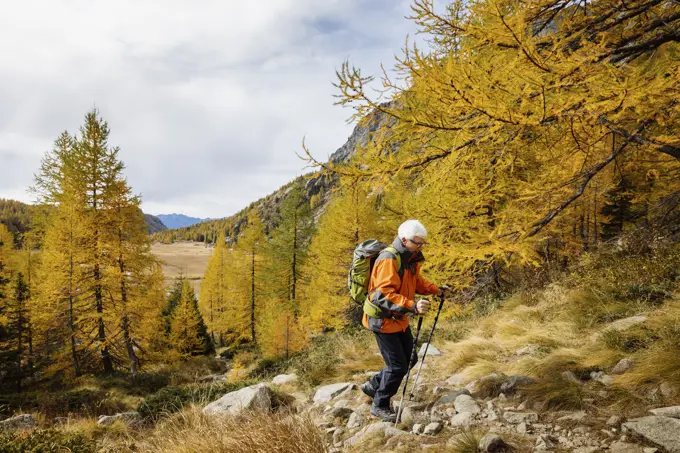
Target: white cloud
[{"x": 208, "y": 100}]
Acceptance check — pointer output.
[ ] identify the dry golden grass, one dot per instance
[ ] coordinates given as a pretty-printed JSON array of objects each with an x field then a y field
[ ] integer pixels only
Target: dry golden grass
[
  {"x": 191, "y": 431},
  {"x": 189, "y": 259}
]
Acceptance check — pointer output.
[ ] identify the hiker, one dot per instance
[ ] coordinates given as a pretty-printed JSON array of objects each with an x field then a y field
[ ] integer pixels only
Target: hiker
[{"x": 391, "y": 294}]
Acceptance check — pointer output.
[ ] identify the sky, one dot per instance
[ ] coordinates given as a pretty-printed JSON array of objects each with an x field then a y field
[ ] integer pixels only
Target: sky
[{"x": 208, "y": 100}]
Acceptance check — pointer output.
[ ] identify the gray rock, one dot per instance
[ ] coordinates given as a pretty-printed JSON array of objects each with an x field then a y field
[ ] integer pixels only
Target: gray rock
[
  {"x": 615, "y": 420},
  {"x": 212, "y": 378},
  {"x": 464, "y": 420},
  {"x": 341, "y": 412},
  {"x": 450, "y": 397},
  {"x": 465, "y": 404},
  {"x": 671, "y": 411},
  {"x": 602, "y": 378},
  {"x": 512, "y": 383},
  {"x": 491, "y": 443},
  {"x": 355, "y": 421},
  {"x": 284, "y": 379},
  {"x": 431, "y": 350},
  {"x": 623, "y": 366},
  {"x": 255, "y": 397},
  {"x": 23, "y": 421},
  {"x": 573, "y": 417},
  {"x": 650, "y": 450},
  {"x": 545, "y": 442},
  {"x": 418, "y": 428},
  {"x": 327, "y": 393},
  {"x": 433, "y": 429},
  {"x": 624, "y": 447},
  {"x": 518, "y": 417},
  {"x": 128, "y": 417},
  {"x": 522, "y": 428},
  {"x": 394, "y": 432},
  {"x": 663, "y": 431},
  {"x": 367, "y": 432}
]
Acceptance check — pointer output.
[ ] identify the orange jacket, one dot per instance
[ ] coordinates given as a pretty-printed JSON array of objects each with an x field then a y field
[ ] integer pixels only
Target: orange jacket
[{"x": 393, "y": 294}]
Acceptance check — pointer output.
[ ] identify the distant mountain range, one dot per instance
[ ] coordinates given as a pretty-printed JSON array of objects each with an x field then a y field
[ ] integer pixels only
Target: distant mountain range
[{"x": 178, "y": 220}]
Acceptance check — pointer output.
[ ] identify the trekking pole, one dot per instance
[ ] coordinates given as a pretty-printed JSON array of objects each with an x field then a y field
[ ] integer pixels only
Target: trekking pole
[
  {"x": 408, "y": 372},
  {"x": 427, "y": 345}
]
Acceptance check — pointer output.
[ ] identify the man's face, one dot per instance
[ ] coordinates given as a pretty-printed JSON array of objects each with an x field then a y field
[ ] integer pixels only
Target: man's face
[{"x": 414, "y": 245}]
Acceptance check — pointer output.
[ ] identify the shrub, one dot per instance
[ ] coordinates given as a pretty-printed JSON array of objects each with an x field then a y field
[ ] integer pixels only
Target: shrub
[{"x": 45, "y": 441}]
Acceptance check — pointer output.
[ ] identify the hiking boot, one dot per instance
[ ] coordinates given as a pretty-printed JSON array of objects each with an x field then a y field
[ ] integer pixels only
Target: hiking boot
[
  {"x": 384, "y": 413},
  {"x": 368, "y": 389}
]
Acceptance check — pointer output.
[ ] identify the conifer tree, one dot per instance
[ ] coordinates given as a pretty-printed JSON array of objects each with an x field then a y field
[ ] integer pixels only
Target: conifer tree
[
  {"x": 350, "y": 218},
  {"x": 214, "y": 288},
  {"x": 250, "y": 246},
  {"x": 188, "y": 333}
]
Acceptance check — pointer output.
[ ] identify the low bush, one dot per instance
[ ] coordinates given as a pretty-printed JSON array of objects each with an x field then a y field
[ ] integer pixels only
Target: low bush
[{"x": 45, "y": 441}]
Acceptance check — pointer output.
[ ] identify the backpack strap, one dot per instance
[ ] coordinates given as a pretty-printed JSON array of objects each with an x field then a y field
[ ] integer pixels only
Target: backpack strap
[{"x": 397, "y": 256}]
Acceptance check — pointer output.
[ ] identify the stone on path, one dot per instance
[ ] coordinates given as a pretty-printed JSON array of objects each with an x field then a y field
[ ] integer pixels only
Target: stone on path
[
  {"x": 431, "y": 350},
  {"x": 663, "y": 431},
  {"x": 491, "y": 443},
  {"x": 518, "y": 417},
  {"x": 366, "y": 432},
  {"x": 328, "y": 392},
  {"x": 255, "y": 397}
]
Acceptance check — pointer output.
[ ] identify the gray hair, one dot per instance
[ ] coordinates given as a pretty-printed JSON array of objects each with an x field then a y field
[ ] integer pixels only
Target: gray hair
[{"x": 411, "y": 229}]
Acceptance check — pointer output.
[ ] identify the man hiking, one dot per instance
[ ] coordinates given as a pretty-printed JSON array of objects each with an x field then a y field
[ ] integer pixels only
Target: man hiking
[{"x": 391, "y": 296}]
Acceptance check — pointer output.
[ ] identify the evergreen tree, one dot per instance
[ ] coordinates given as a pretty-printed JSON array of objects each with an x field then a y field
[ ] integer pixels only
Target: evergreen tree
[
  {"x": 188, "y": 333},
  {"x": 250, "y": 246}
]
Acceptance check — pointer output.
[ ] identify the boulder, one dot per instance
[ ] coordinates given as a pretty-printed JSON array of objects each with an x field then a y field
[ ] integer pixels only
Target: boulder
[
  {"x": 255, "y": 397},
  {"x": 284, "y": 379},
  {"x": 366, "y": 432},
  {"x": 573, "y": 417},
  {"x": 449, "y": 397},
  {"x": 463, "y": 420},
  {"x": 340, "y": 412},
  {"x": 465, "y": 404},
  {"x": 491, "y": 443},
  {"x": 418, "y": 428},
  {"x": 128, "y": 417},
  {"x": 518, "y": 417},
  {"x": 545, "y": 442},
  {"x": 602, "y": 378},
  {"x": 431, "y": 350},
  {"x": 327, "y": 393},
  {"x": 23, "y": 421},
  {"x": 355, "y": 421},
  {"x": 623, "y": 366},
  {"x": 433, "y": 429},
  {"x": 511, "y": 384},
  {"x": 663, "y": 431},
  {"x": 672, "y": 411}
]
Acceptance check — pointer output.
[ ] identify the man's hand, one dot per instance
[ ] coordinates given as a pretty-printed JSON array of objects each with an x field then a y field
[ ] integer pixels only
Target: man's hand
[
  {"x": 444, "y": 290},
  {"x": 422, "y": 306}
]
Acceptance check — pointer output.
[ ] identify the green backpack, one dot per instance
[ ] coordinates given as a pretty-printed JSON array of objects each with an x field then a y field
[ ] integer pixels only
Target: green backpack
[{"x": 359, "y": 276}]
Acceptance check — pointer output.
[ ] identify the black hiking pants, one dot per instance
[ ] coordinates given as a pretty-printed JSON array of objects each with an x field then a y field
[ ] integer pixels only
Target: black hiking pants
[{"x": 396, "y": 349}]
